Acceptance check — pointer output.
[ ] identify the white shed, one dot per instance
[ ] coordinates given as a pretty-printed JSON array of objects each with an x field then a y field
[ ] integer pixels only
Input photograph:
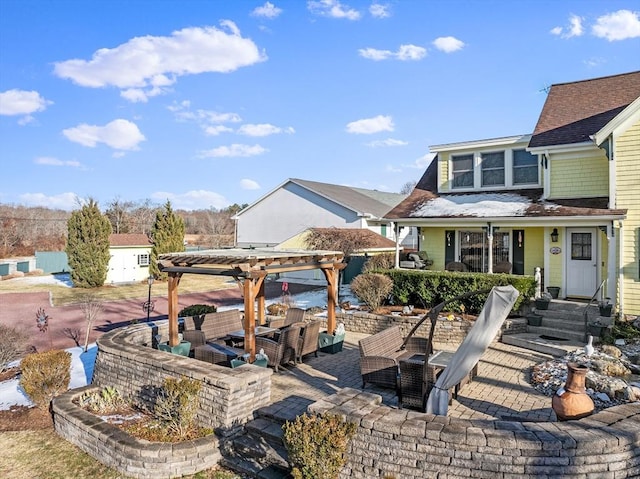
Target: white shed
[{"x": 130, "y": 257}]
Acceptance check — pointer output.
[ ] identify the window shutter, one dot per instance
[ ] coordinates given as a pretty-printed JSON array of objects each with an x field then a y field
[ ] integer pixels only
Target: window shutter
[{"x": 518, "y": 251}]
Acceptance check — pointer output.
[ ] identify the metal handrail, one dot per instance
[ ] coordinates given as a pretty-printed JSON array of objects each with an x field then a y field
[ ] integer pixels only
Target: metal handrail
[{"x": 586, "y": 310}]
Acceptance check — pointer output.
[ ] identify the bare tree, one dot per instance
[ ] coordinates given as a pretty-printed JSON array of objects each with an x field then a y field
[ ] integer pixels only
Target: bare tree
[
  {"x": 119, "y": 214},
  {"x": 72, "y": 333},
  {"x": 408, "y": 187},
  {"x": 91, "y": 306}
]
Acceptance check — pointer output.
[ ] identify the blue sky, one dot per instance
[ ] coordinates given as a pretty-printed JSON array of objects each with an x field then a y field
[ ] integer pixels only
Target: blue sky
[{"x": 210, "y": 103}]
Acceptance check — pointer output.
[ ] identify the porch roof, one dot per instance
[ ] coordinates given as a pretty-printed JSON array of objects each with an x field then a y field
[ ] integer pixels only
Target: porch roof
[{"x": 425, "y": 204}]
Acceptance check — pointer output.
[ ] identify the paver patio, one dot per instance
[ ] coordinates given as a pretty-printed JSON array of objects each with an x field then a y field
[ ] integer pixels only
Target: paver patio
[{"x": 500, "y": 390}]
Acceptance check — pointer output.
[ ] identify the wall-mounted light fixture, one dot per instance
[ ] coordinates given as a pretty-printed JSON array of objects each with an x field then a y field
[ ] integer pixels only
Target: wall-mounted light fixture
[{"x": 554, "y": 235}]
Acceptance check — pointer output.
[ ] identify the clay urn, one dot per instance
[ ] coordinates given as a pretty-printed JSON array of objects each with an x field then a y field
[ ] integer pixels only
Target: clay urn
[{"x": 572, "y": 401}]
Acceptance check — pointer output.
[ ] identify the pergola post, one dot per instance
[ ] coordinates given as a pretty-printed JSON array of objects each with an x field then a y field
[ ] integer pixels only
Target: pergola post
[
  {"x": 332, "y": 282},
  {"x": 174, "y": 281},
  {"x": 253, "y": 289},
  {"x": 261, "y": 304}
]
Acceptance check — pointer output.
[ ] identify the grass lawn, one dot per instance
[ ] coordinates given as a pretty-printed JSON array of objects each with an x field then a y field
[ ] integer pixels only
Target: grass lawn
[
  {"x": 62, "y": 295},
  {"x": 42, "y": 453}
]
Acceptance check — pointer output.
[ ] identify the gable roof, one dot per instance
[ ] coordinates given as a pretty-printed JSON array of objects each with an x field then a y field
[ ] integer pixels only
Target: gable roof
[
  {"x": 129, "y": 239},
  {"x": 364, "y": 202},
  {"x": 574, "y": 111}
]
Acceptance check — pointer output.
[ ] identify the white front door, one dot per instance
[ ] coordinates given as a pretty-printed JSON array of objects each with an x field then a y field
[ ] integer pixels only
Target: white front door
[{"x": 582, "y": 262}]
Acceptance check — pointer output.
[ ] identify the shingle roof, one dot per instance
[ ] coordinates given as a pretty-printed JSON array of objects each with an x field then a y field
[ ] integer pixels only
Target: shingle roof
[
  {"x": 574, "y": 111},
  {"x": 129, "y": 239},
  {"x": 376, "y": 203}
]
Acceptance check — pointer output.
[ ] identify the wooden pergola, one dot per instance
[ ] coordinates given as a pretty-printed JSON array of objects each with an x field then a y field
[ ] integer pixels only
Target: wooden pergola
[{"x": 249, "y": 267}]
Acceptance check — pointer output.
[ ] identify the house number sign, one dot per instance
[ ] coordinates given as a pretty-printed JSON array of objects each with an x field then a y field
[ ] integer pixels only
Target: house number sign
[{"x": 555, "y": 250}]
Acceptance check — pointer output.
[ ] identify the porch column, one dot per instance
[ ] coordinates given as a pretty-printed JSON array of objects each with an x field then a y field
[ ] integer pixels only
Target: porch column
[
  {"x": 397, "y": 252},
  {"x": 173, "y": 282},
  {"x": 612, "y": 246},
  {"x": 490, "y": 252}
]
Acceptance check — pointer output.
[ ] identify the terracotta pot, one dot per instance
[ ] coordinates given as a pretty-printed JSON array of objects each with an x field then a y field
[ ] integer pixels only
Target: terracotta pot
[{"x": 572, "y": 401}]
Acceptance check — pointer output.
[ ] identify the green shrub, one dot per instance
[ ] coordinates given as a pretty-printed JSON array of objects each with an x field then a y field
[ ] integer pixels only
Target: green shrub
[
  {"x": 107, "y": 400},
  {"x": 12, "y": 345},
  {"x": 428, "y": 288},
  {"x": 317, "y": 445},
  {"x": 45, "y": 376},
  {"x": 371, "y": 288},
  {"x": 177, "y": 405},
  {"x": 379, "y": 261},
  {"x": 197, "y": 310}
]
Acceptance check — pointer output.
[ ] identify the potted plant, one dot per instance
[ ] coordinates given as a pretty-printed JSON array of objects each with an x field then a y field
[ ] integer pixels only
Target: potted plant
[
  {"x": 605, "y": 307},
  {"x": 543, "y": 301},
  {"x": 596, "y": 328},
  {"x": 332, "y": 343},
  {"x": 554, "y": 291}
]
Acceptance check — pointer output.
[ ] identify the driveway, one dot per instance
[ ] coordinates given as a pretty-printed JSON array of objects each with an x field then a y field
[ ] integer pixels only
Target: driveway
[{"x": 19, "y": 310}]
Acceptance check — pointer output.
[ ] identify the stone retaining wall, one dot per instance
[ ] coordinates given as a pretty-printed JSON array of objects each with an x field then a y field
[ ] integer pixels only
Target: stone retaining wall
[
  {"x": 400, "y": 444},
  {"x": 228, "y": 396},
  {"x": 124, "y": 453},
  {"x": 446, "y": 332}
]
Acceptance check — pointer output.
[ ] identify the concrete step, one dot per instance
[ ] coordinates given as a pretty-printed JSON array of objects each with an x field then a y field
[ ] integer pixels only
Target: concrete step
[
  {"x": 533, "y": 342},
  {"x": 576, "y": 334}
]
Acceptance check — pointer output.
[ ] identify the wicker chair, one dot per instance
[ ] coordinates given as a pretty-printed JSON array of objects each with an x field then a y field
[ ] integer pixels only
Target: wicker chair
[
  {"x": 456, "y": 266},
  {"x": 294, "y": 315},
  {"x": 503, "y": 267},
  {"x": 282, "y": 351},
  {"x": 308, "y": 342},
  {"x": 380, "y": 354}
]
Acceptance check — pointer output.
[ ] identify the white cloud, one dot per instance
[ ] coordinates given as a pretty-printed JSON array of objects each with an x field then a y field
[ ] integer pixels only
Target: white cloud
[
  {"x": 332, "y": 9},
  {"x": 50, "y": 161},
  {"x": 234, "y": 150},
  {"x": 378, "y": 10},
  {"x": 147, "y": 66},
  {"x": 118, "y": 134},
  {"x": 387, "y": 142},
  {"x": 448, "y": 44},
  {"x": 574, "y": 29},
  {"x": 268, "y": 10},
  {"x": 619, "y": 25},
  {"x": 404, "y": 53},
  {"x": 215, "y": 130},
  {"x": 368, "y": 126},
  {"x": 262, "y": 129},
  {"x": 424, "y": 161},
  {"x": 247, "y": 184},
  {"x": 63, "y": 201},
  {"x": 393, "y": 169},
  {"x": 22, "y": 102},
  {"x": 594, "y": 62},
  {"x": 192, "y": 200}
]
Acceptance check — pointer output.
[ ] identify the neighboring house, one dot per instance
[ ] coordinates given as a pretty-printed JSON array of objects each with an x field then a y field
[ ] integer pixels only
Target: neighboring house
[
  {"x": 565, "y": 199},
  {"x": 297, "y": 205},
  {"x": 130, "y": 256},
  {"x": 377, "y": 245}
]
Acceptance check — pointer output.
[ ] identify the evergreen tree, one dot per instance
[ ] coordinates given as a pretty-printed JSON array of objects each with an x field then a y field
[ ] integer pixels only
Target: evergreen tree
[
  {"x": 167, "y": 235},
  {"x": 87, "y": 248}
]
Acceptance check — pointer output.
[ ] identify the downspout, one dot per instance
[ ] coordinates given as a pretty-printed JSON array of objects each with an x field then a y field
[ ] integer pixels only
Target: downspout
[{"x": 611, "y": 261}]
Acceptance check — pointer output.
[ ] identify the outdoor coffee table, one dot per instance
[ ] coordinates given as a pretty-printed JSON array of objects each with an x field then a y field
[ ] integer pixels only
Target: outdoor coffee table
[{"x": 216, "y": 353}]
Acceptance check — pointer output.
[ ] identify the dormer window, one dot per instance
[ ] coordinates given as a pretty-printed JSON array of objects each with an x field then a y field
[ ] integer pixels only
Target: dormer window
[
  {"x": 525, "y": 168},
  {"x": 492, "y": 165},
  {"x": 462, "y": 171}
]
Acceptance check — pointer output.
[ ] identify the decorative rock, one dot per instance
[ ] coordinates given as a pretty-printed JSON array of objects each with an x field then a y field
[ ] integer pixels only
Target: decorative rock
[
  {"x": 603, "y": 397},
  {"x": 620, "y": 342},
  {"x": 610, "y": 367},
  {"x": 611, "y": 350}
]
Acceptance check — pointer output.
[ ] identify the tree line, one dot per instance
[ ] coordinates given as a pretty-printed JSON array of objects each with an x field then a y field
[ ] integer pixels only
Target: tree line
[{"x": 25, "y": 230}]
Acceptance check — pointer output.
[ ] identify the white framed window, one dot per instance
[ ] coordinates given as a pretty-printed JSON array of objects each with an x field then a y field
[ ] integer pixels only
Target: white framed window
[
  {"x": 143, "y": 259},
  {"x": 525, "y": 168},
  {"x": 492, "y": 166},
  {"x": 462, "y": 168}
]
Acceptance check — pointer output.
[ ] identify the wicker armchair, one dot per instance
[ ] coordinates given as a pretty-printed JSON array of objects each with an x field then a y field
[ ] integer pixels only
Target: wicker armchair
[
  {"x": 283, "y": 350},
  {"x": 308, "y": 342},
  {"x": 294, "y": 315},
  {"x": 380, "y": 355}
]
